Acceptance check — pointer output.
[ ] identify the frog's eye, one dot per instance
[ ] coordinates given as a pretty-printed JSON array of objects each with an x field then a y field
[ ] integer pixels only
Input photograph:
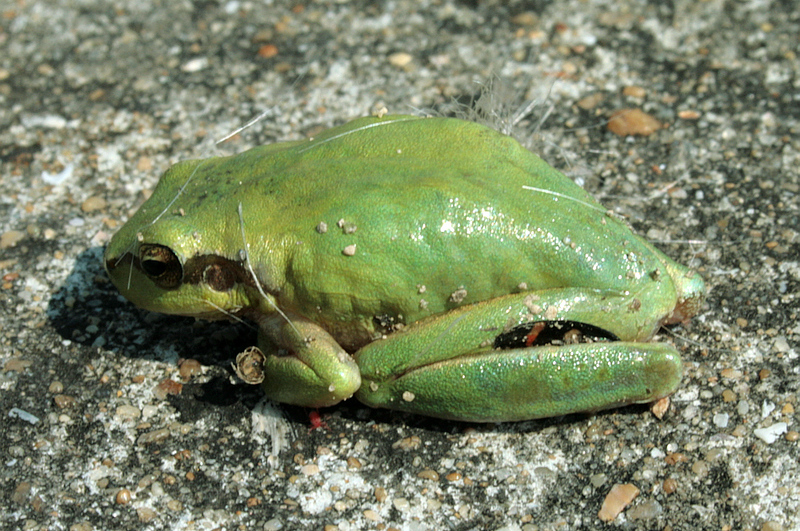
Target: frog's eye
[{"x": 161, "y": 265}]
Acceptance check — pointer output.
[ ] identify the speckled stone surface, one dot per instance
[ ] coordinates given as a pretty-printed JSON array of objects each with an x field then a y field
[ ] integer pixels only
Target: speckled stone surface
[{"x": 99, "y": 428}]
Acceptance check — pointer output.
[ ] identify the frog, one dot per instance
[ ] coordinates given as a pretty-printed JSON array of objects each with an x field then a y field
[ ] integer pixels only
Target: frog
[{"x": 429, "y": 265}]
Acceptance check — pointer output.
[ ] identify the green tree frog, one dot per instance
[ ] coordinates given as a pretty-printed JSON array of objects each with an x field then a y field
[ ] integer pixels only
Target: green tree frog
[{"x": 412, "y": 262}]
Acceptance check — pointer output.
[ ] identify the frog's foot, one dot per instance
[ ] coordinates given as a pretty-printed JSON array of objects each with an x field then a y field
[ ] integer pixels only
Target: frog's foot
[
  {"x": 528, "y": 383},
  {"x": 300, "y": 363}
]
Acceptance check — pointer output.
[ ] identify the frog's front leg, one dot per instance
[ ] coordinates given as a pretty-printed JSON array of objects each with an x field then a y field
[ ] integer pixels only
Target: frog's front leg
[
  {"x": 303, "y": 364},
  {"x": 447, "y": 366}
]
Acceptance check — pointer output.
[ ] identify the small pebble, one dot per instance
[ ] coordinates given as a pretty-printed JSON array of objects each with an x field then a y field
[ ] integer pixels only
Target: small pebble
[
  {"x": 145, "y": 514},
  {"x": 401, "y": 504},
  {"x": 267, "y": 51},
  {"x": 123, "y": 497},
  {"x": 619, "y": 497},
  {"x": 93, "y": 203},
  {"x": 64, "y": 401},
  {"x": 645, "y": 511},
  {"x": 174, "y": 505},
  {"x": 700, "y": 468},
  {"x": 428, "y": 474},
  {"x": 189, "y": 368},
  {"x": 625, "y": 122},
  {"x": 17, "y": 365},
  {"x": 153, "y": 437},
  {"x": 127, "y": 412},
  {"x": 526, "y": 18},
  {"x": 408, "y": 443},
  {"x": 10, "y": 238},
  {"x": 310, "y": 469},
  {"x": 400, "y": 59},
  {"x": 771, "y": 433},
  {"x": 634, "y": 91}
]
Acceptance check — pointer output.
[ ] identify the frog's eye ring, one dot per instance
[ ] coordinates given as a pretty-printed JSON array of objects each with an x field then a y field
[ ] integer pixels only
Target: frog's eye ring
[{"x": 161, "y": 265}]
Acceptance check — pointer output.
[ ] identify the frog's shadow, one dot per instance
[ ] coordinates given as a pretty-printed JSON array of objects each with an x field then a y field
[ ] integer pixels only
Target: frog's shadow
[{"x": 88, "y": 310}]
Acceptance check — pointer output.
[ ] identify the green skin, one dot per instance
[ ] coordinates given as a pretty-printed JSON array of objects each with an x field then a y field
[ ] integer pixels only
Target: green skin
[{"x": 450, "y": 251}]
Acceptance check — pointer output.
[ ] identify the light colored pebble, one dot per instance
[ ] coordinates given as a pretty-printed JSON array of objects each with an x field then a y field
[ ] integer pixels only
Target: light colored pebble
[
  {"x": 619, "y": 497},
  {"x": 189, "y": 368},
  {"x": 700, "y": 468},
  {"x": 123, "y": 497},
  {"x": 634, "y": 91},
  {"x": 11, "y": 238},
  {"x": 93, "y": 203},
  {"x": 771, "y": 433},
  {"x": 174, "y": 505},
  {"x": 153, "y": 437},
  {"x": 145, "y": 514},
  {"x": 400, "y": 59},
  {"x": 310, "y": 469},
  {"x": 127, "y": 412},
  {"x": 65, "y": 401},
  {"x": 401, "y": 504},
  {"x": 428, "y": 474},
  {"x": 625, "y": 122},
  {"x": 645, "y": 511}
]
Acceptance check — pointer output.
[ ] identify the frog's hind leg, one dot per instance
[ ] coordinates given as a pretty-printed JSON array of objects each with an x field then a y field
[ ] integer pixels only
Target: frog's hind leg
[
  {"x": 534, "y": 382},
  {"x": 524, "y": 356}
]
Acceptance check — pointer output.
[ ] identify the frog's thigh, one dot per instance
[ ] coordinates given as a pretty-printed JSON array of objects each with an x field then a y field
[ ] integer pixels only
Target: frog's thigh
[
  {"x": 529, "y": 383},
  {"x": 316, "y": 371}
]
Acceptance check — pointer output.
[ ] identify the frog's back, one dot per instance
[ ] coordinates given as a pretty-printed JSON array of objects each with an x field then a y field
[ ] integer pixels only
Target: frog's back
[{"x": 427, "y": 214}]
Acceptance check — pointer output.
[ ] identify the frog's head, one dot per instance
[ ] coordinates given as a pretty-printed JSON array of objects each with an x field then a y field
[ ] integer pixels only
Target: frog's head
[
  {"x": 182, "y": 256},
  {"x": 160, "y": 274}
]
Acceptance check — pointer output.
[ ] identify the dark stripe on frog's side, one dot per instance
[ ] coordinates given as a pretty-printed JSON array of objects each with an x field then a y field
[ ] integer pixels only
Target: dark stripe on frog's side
[{"x": 217, "y": 272}]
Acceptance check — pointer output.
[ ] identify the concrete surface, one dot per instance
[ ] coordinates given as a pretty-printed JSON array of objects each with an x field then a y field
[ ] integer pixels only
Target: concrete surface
[{"x": 98, "y": 98}]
